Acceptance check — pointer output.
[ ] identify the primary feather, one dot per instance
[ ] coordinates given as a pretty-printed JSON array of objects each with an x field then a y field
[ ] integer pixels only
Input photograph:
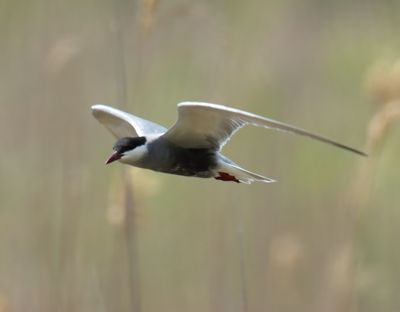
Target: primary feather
[{"x": 205, "y": 125}]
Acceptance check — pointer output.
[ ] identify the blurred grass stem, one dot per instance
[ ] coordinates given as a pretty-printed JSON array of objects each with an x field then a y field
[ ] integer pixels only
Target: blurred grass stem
[{"x": 120, "y": 16}]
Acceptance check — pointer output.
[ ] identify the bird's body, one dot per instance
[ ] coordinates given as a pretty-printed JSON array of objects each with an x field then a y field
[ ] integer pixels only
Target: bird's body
[
  {"x": 164, "y": 156},
  {"x": 160, "y": 155},
  {"x": 192, "y": 146}
]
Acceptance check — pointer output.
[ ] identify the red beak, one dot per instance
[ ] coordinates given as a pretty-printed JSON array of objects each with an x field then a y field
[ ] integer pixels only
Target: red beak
[{"x": 114, "y": 156}]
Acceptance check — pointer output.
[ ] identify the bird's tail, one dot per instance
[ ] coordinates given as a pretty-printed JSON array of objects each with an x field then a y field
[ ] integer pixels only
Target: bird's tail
[{"x": 229, "y": 171}]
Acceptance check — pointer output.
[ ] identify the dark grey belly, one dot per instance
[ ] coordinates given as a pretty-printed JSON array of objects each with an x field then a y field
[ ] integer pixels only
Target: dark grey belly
[{"x": 169, "y": 158}]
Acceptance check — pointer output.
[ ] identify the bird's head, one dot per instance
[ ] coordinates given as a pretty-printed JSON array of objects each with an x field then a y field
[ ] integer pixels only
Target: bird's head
[{"x": 127, "y": 149}]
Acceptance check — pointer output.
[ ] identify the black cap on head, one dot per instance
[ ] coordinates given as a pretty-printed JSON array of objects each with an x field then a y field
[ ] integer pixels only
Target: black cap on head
[
  {"x": 123, "y": 145},
  {"x": 128, "y": 143}
]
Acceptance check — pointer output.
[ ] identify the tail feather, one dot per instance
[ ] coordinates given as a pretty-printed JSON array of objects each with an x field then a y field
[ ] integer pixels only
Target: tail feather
[{"x": 243, "y": 175}]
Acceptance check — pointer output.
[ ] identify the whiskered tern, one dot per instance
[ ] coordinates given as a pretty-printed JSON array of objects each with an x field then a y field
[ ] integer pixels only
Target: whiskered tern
[{"x": 192, "y": 146}]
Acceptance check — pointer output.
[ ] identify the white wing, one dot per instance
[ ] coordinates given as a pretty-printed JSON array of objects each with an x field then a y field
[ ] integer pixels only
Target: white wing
[
  {"x": 122, "y": 124},
  {"x": 204, "y": 125}
]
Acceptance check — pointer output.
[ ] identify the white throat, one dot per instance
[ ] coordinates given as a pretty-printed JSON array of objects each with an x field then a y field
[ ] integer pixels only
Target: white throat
[{"x": 134, "y": 156}]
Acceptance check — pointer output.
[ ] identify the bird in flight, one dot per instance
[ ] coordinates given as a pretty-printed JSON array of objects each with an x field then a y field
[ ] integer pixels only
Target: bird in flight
[{"x": 192, "y": 146}]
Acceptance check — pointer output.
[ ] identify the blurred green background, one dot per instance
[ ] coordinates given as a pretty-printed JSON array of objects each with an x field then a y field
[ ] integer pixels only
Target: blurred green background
[{"x": 76, "y": 235}]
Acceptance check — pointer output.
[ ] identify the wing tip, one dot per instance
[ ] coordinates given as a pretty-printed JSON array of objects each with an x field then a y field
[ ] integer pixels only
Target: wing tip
[
  {"x": 98, "y": 107},
  {"x": 349, "y": 149},
  {"x": 200, "y": 103},
  {"x": 186, "y": 103},
  {"x": 362, "y": 154}
]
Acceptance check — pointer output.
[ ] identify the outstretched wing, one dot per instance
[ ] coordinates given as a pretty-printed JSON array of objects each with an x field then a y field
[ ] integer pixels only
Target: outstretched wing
[
  {"x": 122, "y": 124},
  {"x": 204, "y": 125}
]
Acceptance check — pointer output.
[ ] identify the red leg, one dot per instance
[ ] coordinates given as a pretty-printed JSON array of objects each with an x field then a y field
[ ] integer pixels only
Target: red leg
[{"x": 223, "y": 176}]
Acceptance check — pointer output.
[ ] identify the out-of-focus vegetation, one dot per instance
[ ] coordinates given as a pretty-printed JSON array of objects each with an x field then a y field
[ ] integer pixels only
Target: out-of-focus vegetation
[{"x": 78, "y": 236}]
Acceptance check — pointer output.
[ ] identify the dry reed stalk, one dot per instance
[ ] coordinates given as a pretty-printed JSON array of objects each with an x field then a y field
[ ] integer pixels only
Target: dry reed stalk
[
  {"x": 130, "y": 226},
  {"x": 147, "y": 12},
  {"x": 286, "y": 258},
  {"x": 129, "y": 188},
  {"x": 240, "y": 234},
  {"x": 125, "y": 211},
  {"x": 383, "y": 87},
  {"x": 4, "y": 304},
  {"x": 120, "y": 18}
]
